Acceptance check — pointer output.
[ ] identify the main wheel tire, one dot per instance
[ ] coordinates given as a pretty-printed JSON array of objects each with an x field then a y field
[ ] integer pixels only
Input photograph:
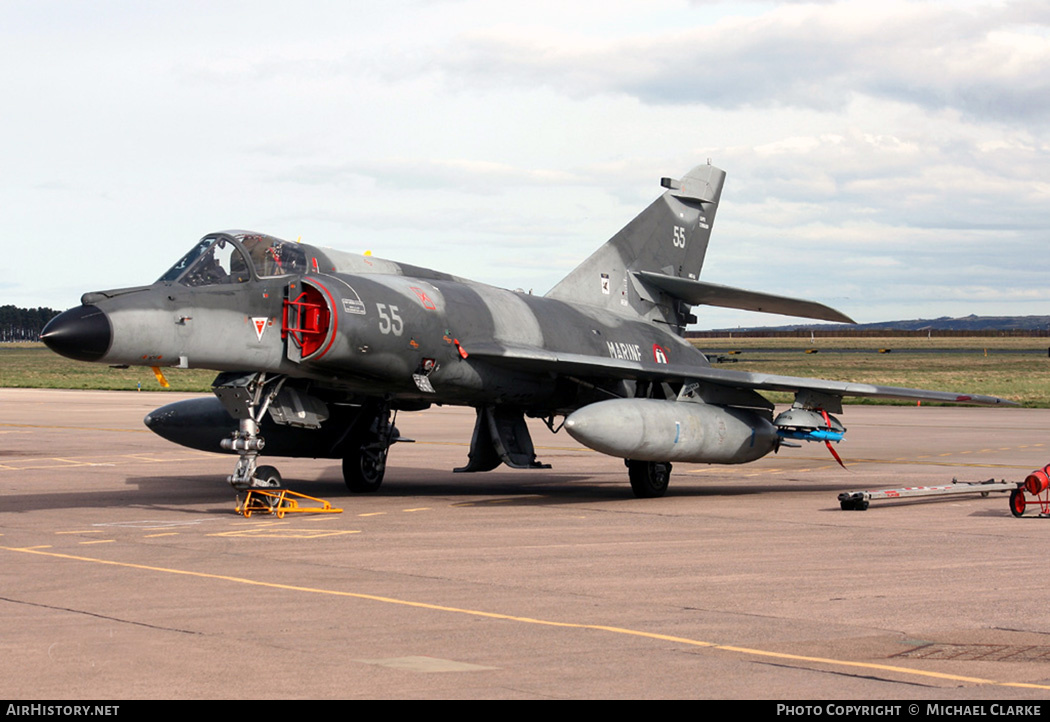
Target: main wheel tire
[
  {"x": 363, "y": 470},
  {"x": 649, "y": 479},
  {"x": 1017, "y": 502}
]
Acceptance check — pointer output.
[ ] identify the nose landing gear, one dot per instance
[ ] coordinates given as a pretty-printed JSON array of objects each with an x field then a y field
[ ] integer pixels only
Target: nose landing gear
[{"x": 246, "y": 398}]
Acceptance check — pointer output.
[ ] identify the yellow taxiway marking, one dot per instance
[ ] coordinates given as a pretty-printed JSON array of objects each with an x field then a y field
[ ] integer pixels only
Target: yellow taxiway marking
[
  {"x": 485, "y": 502},
  {"x": 856, "y": 462},
  {"x": 98, "y": 541},
  {"x": 373, "y": 513},
  {"x": 764, "y": 471},
  {"x": 168, "y": 533},
  {"x": 267, "y": 533},
  {"x": 418, "y": 508},
  {"x": 749, "y": 651},
  {"x": 916, "y": 462},
  {"x": 74, "y": 428},
  {"x": 538, "y": 447},
  {"x": 55, "y": 462},
  {"x": 42, "y": 463},
  {"x": 82, "y": 531}
]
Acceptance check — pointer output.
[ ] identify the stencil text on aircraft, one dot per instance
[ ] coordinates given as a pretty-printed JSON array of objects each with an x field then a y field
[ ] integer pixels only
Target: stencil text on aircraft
[{"x": 625, "y": 351}]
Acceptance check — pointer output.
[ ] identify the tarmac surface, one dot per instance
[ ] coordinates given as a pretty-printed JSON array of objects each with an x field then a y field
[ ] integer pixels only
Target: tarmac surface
[{"x": 125, "y": 573}]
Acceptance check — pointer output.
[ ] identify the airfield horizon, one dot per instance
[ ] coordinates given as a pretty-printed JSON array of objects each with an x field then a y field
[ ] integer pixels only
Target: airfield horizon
[{"x": 1011, "y": 367}]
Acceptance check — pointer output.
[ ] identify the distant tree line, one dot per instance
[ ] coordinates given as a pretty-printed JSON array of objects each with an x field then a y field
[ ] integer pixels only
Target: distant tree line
[{"x": 23, "y": 324}]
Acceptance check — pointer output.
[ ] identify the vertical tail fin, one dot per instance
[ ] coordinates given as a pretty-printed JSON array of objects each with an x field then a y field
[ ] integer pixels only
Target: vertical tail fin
[{"x": 669, "y": 237}]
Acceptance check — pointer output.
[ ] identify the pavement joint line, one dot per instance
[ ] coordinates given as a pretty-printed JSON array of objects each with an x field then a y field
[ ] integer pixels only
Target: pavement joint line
[
  {"x": 918, "y": 463},
  {"x": 542, "y": 622}
]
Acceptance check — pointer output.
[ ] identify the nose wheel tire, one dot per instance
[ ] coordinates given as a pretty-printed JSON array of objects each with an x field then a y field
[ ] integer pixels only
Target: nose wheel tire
[{"x": 266, "y": 477}]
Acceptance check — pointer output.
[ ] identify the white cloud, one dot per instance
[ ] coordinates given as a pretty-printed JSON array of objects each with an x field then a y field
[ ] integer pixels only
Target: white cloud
[
  {"x": 976, "y": 59},
  {"x": 875, "y": 152}
]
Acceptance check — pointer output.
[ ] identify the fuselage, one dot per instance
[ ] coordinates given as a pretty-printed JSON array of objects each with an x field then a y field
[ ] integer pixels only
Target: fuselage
[{"x": 366, "y": 325}]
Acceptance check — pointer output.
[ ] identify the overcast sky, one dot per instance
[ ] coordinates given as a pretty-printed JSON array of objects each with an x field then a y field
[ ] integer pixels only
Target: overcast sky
[{"x": 887, "y": 158}]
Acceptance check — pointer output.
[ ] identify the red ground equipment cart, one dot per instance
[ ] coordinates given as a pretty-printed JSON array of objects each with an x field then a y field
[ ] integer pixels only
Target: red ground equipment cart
[{"x": 1034, "y": 490}]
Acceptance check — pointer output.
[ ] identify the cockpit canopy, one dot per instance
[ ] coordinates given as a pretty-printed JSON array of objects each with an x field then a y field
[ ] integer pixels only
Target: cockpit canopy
[{"x": 233, "y": 257}]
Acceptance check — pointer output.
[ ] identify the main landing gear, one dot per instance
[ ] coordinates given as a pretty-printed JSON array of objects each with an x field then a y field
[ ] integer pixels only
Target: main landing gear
[
  {"x": 365, "y": 462},
  {"x": 649, "y": 479}
]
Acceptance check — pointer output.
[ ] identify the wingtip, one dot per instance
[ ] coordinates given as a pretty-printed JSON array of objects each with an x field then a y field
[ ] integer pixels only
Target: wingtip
[{"x": 986, "y": 400}]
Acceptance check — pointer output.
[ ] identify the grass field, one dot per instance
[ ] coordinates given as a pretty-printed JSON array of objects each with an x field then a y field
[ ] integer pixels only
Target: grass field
[
  {"x": 995, "y": 366},
  {"x": 902, "y": 343},
  {"x": 992, "y": 366},
  {"x": 33, "y": 365}
]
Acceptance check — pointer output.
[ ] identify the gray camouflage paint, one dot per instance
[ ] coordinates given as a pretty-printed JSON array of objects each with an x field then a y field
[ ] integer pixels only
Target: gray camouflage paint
[{"x": 611, "y": 328}]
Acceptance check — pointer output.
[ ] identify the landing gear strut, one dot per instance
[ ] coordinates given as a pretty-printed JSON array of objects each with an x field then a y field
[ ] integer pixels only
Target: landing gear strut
[
  {"x": 247, "y": 398},
  {"x": 649, "y": 479}
]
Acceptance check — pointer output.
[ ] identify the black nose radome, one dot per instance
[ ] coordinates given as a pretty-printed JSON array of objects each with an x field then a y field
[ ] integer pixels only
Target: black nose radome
[{"x": 82, "y": 333}]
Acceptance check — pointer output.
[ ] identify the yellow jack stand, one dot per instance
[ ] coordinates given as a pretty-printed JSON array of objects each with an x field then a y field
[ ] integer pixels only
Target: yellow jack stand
[{"x": 281, "y": 502}]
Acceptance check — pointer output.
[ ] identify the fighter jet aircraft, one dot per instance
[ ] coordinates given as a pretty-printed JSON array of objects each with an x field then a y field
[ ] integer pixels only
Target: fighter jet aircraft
[{"x": 318, "y": 349}]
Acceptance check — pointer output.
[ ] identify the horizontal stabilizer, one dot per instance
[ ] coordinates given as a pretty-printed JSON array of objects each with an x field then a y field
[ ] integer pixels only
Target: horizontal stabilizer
[
  {"x": 703, "y": 184},
  {"x": 699, "y": 293}
]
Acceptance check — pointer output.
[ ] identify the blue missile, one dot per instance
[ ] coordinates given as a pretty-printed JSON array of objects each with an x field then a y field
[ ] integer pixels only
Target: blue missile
[{"x": 811, "y": 434}]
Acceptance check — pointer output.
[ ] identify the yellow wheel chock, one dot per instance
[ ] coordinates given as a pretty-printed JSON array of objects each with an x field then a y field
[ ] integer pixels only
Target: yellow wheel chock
[{"x": 281, "y": 502}]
